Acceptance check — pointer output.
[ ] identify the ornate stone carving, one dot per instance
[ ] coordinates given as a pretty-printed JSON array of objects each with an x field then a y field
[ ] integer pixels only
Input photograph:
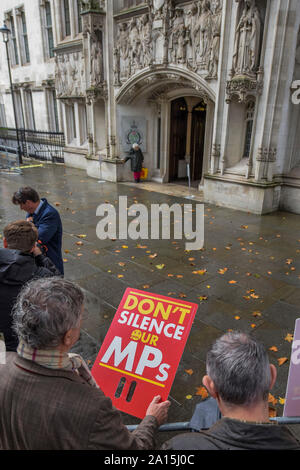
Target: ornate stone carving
[
  {"x": 188, "y": 36},
  {"x": 69, "y": 75}
]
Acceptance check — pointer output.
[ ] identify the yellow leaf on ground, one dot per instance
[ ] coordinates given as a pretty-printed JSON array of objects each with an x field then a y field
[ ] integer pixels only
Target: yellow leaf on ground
[
  {"x": 281, "y": 401},
  {"x": 273, "y": 348},
  {"x": 237, "y": 317},
  {"x": 189, "y": 397},
  {"x": 200, "y": 271},
  {"x": 282, "y": 360},
  {"x": 79, "y": 243},
  {"x": 81, "y": 236},
  {"x": 272, "y": 413},
  {"x": 160, "y": 266},
  {"x": 256, "y": 314},
  {"x": 232, "y": 282},
  {"x": 289, "y": 337},
  {"x": 272, "y": 399},
  {"x": 189, "y": 371},
  {"x": 222, "y": 271},
  {"x": 202, "y": 392},
  {"x": 202, "y": 297}
]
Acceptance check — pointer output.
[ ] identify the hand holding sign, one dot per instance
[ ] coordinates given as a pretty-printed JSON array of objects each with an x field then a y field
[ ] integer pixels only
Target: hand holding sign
[{"x": 159, "y": 410}]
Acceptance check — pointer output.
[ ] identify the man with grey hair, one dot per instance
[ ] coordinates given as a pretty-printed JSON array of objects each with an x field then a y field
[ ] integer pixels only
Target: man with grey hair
[
  {"x": 49, "y": 399},
  {"x": 239, "y": 377}
]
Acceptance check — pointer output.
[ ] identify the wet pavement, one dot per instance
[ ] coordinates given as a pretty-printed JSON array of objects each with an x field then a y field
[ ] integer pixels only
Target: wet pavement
[{"x": 249, "y": 271}]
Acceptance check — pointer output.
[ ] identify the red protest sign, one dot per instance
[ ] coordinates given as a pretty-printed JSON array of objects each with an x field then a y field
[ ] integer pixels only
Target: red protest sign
[{"x": 142, "y": 349}]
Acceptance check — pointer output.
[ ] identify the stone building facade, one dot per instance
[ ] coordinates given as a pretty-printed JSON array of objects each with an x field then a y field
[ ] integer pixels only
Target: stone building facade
[{"x": 211, "y": 83}]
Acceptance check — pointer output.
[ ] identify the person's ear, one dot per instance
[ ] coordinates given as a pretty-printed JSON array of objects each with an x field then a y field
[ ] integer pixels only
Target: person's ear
[
  {"x": 5, "y": 243},
  {"x": 209, "y": 385},
  {"x": 67, "y": 339},
  {"x": 273, "y": 371}
]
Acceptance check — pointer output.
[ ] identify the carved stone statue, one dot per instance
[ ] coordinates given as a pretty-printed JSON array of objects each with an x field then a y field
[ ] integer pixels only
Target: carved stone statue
[
  {"x": 191, "y": 25},
  {"x": 134, "y": 44},
  {"x": 247, "y": 40},
  {"x": 177, "y": 30},
  {"x": 216, "y": 6},
  {"x": 96, "y": 60},
  {"x": 146, "y": 41},
  {"x": 122, "y": 41},
  {"x": 204, "y": 27}
]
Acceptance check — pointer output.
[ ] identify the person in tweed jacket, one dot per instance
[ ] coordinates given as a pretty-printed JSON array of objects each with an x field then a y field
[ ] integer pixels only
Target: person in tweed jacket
[{"x": 49, "y": 399}]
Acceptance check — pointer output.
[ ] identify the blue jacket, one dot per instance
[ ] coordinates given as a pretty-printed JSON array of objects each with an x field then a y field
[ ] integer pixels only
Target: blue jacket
[{"x": 49, "y": 225}]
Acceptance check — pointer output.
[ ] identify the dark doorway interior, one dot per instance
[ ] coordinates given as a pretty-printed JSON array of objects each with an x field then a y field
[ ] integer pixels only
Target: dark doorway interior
[
  {"x": 197, "y": 140},
  {"x": 178, "y": 141},
  {"x": 179, "y": 113}
]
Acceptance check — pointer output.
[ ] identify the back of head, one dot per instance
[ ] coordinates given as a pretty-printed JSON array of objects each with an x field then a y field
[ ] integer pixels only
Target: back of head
[
  {"x": 239, "y": 367},
  {"x": 21, "y": 235},
  {"x": 45, "y": 310},
  {"x": 25, "y": 194},
  {"x": 135, "y": 146}
]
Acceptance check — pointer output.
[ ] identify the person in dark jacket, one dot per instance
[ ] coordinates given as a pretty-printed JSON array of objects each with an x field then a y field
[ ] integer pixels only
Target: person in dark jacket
[
  {"x": 136, "y": 157},
  {"x": 20, "y": 261},
  {"x": 46, "y": 219},
  {"x": 239, "y": 377}
]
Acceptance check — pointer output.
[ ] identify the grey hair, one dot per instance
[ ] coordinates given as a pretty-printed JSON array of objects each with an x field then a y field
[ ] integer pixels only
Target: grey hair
[
  {"x": 239, "y": 367},
  {"x": 45, "y": 310}
]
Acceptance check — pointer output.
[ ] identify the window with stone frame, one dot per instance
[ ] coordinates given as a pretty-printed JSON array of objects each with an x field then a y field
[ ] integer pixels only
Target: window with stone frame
[
  {"x": 52, "y": 108},
  {"x": 19, "y": 109},
  {"x": 13, "y": 45},
  {"x": 3, "y": 121},
  {"x": 47, "y": 29},
  {"x": 71, "y": 19},
  {"x": 71, "y": 123},
  {"x": 66, "y": 23},
  {"x": 82, "y": 123},
  {"x": 249, "y": 127},
  {"x": 23, "y": 36},
  {"x": 29, "y": 110},
  {"x": 78, "y": 16}
]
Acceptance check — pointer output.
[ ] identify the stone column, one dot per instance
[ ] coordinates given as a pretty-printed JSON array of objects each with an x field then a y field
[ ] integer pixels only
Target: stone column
[
  {"x": 278, "y": 27},
  {"x": 189, "y": 133},
  {"x": 110, "y": 102},
  {"x": 220, "y": 129}
]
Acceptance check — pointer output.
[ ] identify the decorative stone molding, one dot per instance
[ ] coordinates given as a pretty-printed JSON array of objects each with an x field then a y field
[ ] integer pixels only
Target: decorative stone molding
[
  {"x": 265, "y": 154},
  {"x": 242, "y": 87}
]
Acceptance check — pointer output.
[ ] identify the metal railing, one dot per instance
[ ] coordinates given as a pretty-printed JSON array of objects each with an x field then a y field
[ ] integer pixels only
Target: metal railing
[{"x": 36, "y": 144}]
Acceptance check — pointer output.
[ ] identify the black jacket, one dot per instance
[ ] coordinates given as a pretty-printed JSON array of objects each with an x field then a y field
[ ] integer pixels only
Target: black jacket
[
  {"x": 232, "y": 434},
  {"x": 137, "y": 158},
  {"x": 17, "y": 268}
]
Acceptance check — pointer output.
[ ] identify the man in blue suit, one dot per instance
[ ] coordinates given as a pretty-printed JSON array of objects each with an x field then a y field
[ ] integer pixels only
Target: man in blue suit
[{"x": 46, "y": 219}]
